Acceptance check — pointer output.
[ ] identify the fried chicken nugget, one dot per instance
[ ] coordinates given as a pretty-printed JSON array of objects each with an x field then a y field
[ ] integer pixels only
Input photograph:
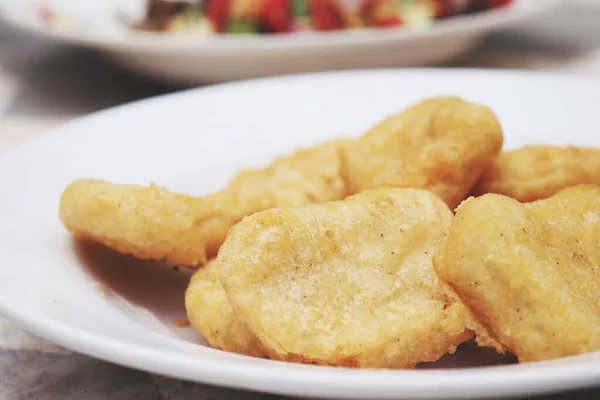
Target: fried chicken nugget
[
  {"x": 146, "y": 222},
  {"x": 537, "y": 172},
  {"x": 530, "y": 272},
  {"x": 348, "y": 283},
  {"x": 442, "y": 144},
  {"x": 210, "y": 313},
  {"x": 153, "y": 223}
]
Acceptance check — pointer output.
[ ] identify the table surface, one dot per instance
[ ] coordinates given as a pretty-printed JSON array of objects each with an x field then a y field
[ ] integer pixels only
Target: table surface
[{"x": 43, "y": 84}]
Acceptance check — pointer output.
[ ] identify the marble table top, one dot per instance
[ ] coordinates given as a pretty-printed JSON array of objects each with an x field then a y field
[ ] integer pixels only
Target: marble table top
[{"x": 43, "y": 85}]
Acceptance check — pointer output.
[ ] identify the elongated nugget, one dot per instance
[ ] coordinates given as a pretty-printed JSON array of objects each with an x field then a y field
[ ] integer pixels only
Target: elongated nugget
[
  {"x": 537, "y": 172},
  {"x": 211, "y": 314},
  {"x": 347, "y": 283},
  {"x": 443, "y": 145},
  {"x": 146, "y": 222},
  {"x": 153, "y": 223},
  {"x": 530, "y": 272}
]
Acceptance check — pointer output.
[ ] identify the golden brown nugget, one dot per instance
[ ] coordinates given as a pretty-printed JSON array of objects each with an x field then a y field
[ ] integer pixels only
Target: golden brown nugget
[
  {"x": 348, "y": 283},
  {"x": 146, "y": 222},
  {"x": 153, "y": 223},
  {"x": 529, "y": 272},
  {"x": 537, "y": 172},
  {"x": 443, "y": 145},
  {"x": 211, "y": 314}
]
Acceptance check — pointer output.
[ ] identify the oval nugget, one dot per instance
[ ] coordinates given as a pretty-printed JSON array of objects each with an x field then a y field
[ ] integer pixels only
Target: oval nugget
[
  {"x": 441, "y": 144},
  {"x": 346, "y": 283},
  {"x": 530, "y": 272},
  {"x": 210, "y": 314},
  {"x": 538, "y": 172}
]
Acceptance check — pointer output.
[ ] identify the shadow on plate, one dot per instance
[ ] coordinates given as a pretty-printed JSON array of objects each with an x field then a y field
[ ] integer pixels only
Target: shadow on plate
[
  {"x": 150, "y": 285},
  {"x": 160, "y": 289}
]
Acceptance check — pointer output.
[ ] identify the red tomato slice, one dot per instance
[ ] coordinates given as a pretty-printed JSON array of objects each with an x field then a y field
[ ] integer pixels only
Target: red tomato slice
[
  {"x": 217, "y": 12},
  {"x": 326, "y": 15},
  {"x": 277, "y": 15}
]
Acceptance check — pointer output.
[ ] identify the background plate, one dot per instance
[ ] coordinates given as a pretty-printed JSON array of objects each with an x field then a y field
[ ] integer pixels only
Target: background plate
[{"x": 193, "y": 59}]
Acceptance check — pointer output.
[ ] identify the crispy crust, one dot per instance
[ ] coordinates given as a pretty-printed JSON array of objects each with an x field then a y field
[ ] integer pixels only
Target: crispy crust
[
  {"x": 442, "y": 144},
  {"x": 529, "y": 272},
  {"x": 146, "y": 222},
  {"x": 211, "y": 314},
  {"x": 537, "y": 172},
  {"x": 347, "y": 283}
]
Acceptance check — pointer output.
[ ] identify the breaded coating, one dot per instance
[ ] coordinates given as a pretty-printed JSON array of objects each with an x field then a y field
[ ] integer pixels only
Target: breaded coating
[
  {"x": 308, "y": 176},
  {"x": 529, "y": 272},
  {"x": 149, "y": 223},
  {"x": 537, "y": 172},
  {"x": 211, "y": 314},
  {"x": 442, "y": 144},
  {"x": 347, "y": 283},
  {"x": 152, "y": 223}
]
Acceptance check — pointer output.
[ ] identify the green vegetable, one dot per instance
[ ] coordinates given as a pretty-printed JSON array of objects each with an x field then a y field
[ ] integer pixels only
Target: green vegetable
[
  {"x": 242, "y": 27},
  {"x": 299, "y": 8}
]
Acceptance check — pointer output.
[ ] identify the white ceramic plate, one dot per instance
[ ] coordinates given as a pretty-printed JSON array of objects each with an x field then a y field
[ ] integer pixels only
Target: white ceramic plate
[
  {"x": 115, "y": 309},
  {"x": 195, "y": 59}
]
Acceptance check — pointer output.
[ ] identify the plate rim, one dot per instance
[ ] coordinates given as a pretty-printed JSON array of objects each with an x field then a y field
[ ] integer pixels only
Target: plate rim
[{"x": 554, "y": 376}]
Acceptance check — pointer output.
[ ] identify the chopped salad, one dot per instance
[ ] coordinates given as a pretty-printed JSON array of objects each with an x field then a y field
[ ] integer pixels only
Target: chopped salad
[{"x": 285, "y": 16}]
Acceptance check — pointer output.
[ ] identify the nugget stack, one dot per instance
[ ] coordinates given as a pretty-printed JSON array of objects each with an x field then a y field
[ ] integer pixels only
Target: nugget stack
[
  {"x": 349, "y": 254},
  {"x": 441, "y": 144}
]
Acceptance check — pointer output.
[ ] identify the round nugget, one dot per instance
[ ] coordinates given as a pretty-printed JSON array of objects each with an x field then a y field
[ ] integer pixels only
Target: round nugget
[
  {"x": 211, "y": 314},
  {"x": 347, "y": 283}
]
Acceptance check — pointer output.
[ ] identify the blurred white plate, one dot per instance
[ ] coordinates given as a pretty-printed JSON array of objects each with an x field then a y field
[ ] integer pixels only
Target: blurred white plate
[
  {"x": 119, "y": 310},
  {"x": 592, "y": 3},
  {"x": 200, "y": 59}
]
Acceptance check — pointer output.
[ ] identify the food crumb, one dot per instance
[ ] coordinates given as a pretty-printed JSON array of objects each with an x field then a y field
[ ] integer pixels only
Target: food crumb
[{"x": 181, "y": 322}]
